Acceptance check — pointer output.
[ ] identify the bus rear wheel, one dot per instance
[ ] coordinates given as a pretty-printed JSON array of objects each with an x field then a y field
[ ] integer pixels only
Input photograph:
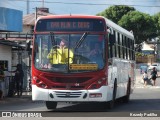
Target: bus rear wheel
[{"x": 51, "y": 104}]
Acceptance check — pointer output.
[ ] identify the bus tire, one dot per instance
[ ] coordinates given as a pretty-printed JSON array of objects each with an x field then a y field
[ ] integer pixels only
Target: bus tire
[
  {"x": 127, "y": 97},
  {"x": 112, "y": 102},
  {"x": 51, "y": 104}
]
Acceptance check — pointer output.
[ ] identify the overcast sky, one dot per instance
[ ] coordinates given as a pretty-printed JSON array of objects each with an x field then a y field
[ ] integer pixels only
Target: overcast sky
[{"x": 90, "y": 7}]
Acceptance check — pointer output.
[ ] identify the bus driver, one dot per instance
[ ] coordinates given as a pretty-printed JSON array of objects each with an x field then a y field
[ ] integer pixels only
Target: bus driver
[{"x": 60, "y": 55}]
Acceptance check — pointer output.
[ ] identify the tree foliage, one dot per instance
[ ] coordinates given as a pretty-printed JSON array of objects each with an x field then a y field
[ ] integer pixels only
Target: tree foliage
[
  {"x": 116, "y": 12},
  {"x": 143, "y": 25},
  {"x": 156, "y": 19},
  {"x": 140, "y": 23}
]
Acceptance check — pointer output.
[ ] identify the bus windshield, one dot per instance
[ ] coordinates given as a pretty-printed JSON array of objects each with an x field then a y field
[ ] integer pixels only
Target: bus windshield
[{"x": 69, "y": 52}]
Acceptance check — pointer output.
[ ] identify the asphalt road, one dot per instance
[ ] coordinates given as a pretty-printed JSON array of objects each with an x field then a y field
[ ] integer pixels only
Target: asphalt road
[{"x": 143, "y": 99}]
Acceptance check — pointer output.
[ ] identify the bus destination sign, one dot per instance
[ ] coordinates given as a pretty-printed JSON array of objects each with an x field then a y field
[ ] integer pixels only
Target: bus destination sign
[{"x": 70, "y": 25}]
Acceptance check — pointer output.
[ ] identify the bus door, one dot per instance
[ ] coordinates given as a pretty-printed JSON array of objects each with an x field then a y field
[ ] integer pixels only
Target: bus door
[{"x": 110, "y": 71}]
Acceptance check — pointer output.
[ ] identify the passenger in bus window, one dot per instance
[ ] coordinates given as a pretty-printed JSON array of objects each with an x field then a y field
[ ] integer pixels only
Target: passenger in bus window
[
  {"x": 96, "y": 55},
  {"x": 96, "y": 51},
  {"x": 60, "y": 55}
]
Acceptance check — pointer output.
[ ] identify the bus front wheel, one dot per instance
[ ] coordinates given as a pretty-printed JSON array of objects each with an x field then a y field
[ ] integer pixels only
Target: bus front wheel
[
  {"x": 127, "y": 97},
  {"x": 51, "y": 104},
  {"x": 112, "y": 102}
]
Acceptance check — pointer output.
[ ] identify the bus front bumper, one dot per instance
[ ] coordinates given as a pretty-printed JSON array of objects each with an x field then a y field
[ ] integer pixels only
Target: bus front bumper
[{"x": 96, "y": 95}]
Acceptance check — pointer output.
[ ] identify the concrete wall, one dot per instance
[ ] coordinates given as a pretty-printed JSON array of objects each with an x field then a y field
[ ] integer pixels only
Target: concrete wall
[
  {"x": 149, "y": 59},
  {"x": 6, "y": 54}
]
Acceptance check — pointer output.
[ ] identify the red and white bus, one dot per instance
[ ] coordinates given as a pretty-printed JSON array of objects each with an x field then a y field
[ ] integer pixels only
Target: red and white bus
[{"x": 75, "y": 74}]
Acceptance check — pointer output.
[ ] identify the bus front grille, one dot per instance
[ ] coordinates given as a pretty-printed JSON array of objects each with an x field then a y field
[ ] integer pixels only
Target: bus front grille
[
  {"x": 68, "y": 88},
  {"x": 68, "y": 94}
]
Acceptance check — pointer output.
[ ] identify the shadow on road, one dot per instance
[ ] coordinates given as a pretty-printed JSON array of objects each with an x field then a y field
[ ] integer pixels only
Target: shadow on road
[
  {"x": 134, "y": 105},
  {"x": 82, "y": 107}
]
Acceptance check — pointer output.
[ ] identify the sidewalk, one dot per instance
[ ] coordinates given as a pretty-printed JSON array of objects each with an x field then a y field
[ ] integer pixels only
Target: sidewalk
[
  {"x": 140, "y": 83},
  {"x": 26, "y": 96}
]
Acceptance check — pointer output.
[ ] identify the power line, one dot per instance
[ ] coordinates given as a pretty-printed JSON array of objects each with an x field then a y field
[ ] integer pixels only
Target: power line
[
  {"x": 85, "y": 4},
  {"x": 94, "y": 4},
  {"x": 99, "y": 4},
  {"x": 151, "y": 1},
  {"x": 11, "y": 4}
]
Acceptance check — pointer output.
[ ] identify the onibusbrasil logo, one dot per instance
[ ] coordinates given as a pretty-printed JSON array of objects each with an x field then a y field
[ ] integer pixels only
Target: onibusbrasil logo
[{"x": 21, "y": 114}]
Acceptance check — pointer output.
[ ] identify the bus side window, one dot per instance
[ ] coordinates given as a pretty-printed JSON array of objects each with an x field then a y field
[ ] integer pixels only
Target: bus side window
[
  {"x": 115, "y": 49},
  {"x": 111, "y": 45},
  {"x": 119, "y": 53}
]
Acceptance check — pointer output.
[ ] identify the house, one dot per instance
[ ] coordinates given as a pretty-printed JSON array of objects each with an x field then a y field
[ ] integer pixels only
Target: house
[
  {"x": 8, "y": 23},
  {"x": 148, "y": 49},
  {"x": 147, "y": 55},
  {"x": 29, "y": 19},
  {"x": 19, "y": 54}
]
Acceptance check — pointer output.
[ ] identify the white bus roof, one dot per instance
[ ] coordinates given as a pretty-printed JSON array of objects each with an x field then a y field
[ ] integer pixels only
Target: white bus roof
[
  {"x": 118, "y": 28},
  {"x": 109, "y": 23}
]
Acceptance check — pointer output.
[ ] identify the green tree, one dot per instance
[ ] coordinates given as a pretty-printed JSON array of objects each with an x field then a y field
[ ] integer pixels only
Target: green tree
[
  {"x": 116, "y": 12},
  {"x": 156, "y": 19},
  {"x": 140, "y": 23}
]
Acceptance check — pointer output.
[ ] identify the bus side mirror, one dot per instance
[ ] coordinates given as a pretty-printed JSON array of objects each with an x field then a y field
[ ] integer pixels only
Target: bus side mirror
[{"x": 111, "y": 36}]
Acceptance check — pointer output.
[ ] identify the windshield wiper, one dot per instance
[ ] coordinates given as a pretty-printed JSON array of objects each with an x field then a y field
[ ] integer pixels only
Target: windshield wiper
[
  {"x": 52, "y": 38},
  {"x": 53, "y": 42},
  {"x": 81, "y": 40}
]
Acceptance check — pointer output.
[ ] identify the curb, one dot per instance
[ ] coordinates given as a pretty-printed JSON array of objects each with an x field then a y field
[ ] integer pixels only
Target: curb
[{"x": 148, "y": 86}]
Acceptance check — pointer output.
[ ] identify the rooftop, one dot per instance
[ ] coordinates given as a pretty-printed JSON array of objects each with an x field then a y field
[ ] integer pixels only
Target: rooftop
[{"x": 29, "y": 19}]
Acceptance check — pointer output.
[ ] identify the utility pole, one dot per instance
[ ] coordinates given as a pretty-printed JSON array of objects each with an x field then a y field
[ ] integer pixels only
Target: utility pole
[
  {"x": 27, "y": 6},
  {"x": 42, "y": 3},
  {"x": 36, "y": 13}
]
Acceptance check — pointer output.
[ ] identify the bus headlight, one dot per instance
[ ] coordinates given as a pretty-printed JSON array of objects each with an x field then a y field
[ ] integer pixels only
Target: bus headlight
[
  {"x": 39, "y": 83},
  {"x": 97, "y": 84}
]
